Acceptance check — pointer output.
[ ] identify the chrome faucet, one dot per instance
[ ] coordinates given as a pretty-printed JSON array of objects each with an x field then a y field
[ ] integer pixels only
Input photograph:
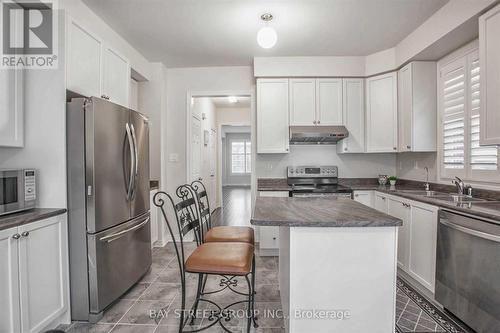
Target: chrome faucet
[
  {"x": 427, "y": 185},
  {"x": 459, "y": 184}
]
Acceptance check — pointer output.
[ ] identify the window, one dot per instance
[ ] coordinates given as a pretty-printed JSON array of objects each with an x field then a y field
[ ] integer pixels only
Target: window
[
  {"x": 461, "y": 154},
  {"x": 241, "y": 157}
]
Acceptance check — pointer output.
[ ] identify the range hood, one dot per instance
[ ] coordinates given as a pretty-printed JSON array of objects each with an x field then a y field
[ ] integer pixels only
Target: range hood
[{"x": 322, "y": 135}]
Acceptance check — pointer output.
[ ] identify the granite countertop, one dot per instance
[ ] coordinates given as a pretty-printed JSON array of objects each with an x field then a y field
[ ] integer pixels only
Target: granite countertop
[
  {"x": 483, "y": 209},
  {"x": 318, "y": 212},
  {"x": 28, "y": 216}
]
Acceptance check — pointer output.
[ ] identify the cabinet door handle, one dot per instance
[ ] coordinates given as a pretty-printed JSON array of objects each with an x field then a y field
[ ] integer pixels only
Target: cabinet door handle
[
  {"x": 16, "y": 236},
  {"x": 394, "y": 148},
  {"x": 408, "y": 147},
  {"x": 25, "y": 234},
  {"x": 274, "y": 238},
  {"x": 314, "y": 122},
  {"x": 319, "y": 122},
  {"x": 345, "y": 149}
]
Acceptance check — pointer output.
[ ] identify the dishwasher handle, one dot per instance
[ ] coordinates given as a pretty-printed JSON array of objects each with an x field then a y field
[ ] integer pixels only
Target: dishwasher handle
[{"x": 469, "y": 231}]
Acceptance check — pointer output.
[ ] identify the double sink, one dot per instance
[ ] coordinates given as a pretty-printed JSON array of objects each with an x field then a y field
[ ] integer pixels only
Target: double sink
[{"x": 448, "y": 197}]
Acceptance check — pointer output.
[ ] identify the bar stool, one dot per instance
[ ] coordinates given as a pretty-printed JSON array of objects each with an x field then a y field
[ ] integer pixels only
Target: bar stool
[
  {"x": 218, "y": 233},
  {"x": 221, "y": 234},
  {"x": 228, "y": 260}
]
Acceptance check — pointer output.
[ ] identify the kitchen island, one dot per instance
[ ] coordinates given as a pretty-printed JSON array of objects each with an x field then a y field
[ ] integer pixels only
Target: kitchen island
[{"x": 337, "y": 264}]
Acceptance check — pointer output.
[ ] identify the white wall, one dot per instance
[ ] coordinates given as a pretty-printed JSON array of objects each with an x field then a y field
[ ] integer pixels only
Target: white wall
[
  {"x": 233, "y": 116},
  {"x": 350, "y": 165},
  {"x": 180, "y": 82},
  {"x": 152, "y": 102},
  {"x": 411, "y": 166},
  {"x": 45, "y": 132}
]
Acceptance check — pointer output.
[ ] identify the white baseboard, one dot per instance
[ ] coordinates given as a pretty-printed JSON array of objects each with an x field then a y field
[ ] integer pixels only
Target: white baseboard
[{"x": 235, "y": 185}]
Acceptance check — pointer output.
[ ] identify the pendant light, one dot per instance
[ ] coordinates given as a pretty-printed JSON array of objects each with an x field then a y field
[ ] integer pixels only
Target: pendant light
[{"x": 267, "y": 37}]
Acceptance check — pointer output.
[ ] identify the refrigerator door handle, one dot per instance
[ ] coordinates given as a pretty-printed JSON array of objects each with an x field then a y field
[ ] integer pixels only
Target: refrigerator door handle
[
  {"x": 132, "y": 161},
  {"x": 136, "y": 159},
  {"x": 115, "y": 236}
]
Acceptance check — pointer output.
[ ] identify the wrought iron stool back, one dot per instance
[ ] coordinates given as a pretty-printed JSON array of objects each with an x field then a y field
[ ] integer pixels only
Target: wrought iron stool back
[{"x": 203, "y": 204}]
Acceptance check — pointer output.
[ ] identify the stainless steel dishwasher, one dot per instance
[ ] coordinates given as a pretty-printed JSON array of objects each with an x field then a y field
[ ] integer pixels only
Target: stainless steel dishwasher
[{"x": 468, "y": 269}]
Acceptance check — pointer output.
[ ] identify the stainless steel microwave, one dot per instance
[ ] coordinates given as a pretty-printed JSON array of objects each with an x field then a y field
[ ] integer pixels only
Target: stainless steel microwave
[{"x": 17, "y": 190}]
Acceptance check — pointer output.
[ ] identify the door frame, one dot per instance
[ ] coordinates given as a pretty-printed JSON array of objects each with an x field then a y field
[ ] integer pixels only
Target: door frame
[{"x": 221, "y": 93}]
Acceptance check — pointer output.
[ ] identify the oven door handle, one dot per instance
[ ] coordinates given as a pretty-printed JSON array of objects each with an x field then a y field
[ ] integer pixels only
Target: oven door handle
[{"x": 468, "y": 231}]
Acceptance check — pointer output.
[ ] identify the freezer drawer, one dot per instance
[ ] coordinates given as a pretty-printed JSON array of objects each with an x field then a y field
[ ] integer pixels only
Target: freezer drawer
[
  {"x": 468, "y": 270},
  {"x": 118, "y": 257}
]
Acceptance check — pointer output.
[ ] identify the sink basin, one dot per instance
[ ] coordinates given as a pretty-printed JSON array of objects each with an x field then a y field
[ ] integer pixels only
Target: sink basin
[
  {"x": 457, "y": 198},
  {"x": 424, "y": 193}
]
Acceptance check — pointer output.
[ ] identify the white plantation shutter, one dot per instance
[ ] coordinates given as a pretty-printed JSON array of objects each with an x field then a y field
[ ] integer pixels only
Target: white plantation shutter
[
  {"x": 481, "y": 157},
  {"x": 453, "y": 99},
  {"x": 460, "y": 103}
]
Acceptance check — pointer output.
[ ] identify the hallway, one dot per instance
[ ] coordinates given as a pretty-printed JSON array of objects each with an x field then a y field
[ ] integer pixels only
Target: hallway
[{"x": 236, "y": 203}]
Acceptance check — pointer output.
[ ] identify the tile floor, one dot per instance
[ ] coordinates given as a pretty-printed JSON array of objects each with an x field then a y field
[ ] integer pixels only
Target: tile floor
[{"x": 160, "y": 289}]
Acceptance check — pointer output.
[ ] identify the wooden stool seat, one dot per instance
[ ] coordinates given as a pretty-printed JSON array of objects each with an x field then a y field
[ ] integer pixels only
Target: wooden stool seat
[
  {"x": 221, "y": 258},
  {"x": 231, "y": 234}
]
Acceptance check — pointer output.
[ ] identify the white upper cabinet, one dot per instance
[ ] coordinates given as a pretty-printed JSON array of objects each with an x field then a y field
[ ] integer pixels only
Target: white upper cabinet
[
  {"x": 353, "y": 116},
  {"x": 417, "y": 107},
  {"x": 94, "y": 68},
  {"x": 272, "y": 116},
  {"x": 84, "y": 64},
  {"x": 303, "y": 102},
  {"x": 316, "y": 102},
  {"x": 381, "y": 113},
  {"x": 489, "y": 53},
  {"x": 11, "y": 108},
  {"x": 329, "y": 102},
  {"x": 116, "y": 77}
]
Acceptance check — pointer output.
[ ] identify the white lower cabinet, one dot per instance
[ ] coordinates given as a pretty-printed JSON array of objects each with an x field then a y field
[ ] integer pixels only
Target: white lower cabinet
[
  {"x": 269, "y": 242},
  {"x": 380, "y": 202},
  {"x": 417, "y": 237},
  {"x": 36, "y": 278},
  {"x": 423, "y": 231},
  {"x": 9, "y": 282},
  {"x": 364, "y": 197},
  {"x": 401, "y": 210}
]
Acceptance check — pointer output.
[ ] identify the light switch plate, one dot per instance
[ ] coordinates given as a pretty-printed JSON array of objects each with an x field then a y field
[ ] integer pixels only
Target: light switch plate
[{"x": 173, "y": 157}]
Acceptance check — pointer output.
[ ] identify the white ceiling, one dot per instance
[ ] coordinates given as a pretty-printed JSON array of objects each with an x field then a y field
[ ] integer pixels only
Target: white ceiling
[
  {"x": 183, "y": 33},
  {"x": 223, "y": 102}
]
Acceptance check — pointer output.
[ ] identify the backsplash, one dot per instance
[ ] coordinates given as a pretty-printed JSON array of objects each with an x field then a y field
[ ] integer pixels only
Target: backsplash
[{"x": 350, "y": 165}]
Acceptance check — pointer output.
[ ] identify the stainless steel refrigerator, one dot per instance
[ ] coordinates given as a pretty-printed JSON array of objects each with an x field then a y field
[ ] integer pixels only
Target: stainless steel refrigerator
[{"x": 108, "y": 203}]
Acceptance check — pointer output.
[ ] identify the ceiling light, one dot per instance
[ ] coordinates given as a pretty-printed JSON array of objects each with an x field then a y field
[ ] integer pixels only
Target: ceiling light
[
  {"x": 232, "y": 99},
  {"x": 267, "y": 37}
]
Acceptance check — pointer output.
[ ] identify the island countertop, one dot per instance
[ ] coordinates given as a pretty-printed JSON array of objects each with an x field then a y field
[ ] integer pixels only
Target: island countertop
[{"x": 318, "y": 212}]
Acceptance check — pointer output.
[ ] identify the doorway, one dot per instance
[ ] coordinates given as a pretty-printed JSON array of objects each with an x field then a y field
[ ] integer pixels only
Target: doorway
[{"x": 220, "y": 125}]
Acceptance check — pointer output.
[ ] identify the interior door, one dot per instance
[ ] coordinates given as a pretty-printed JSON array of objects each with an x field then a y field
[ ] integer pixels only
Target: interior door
[
  {"x": 195, "y": 149},
  {"x": 140, "y": 134},
  {"x": 108, "y": 165}
]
